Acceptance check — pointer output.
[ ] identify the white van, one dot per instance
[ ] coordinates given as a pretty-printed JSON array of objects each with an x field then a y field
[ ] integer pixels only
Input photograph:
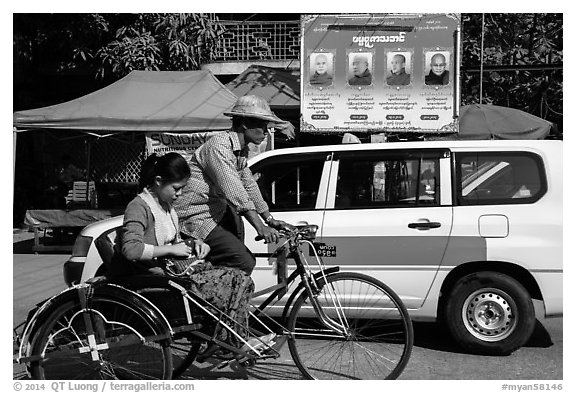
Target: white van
[{"x": 468, "y": 233}]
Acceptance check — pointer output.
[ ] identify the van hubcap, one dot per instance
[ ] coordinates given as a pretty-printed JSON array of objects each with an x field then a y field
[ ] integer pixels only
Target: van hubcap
[{"x": 489, "y": 314}]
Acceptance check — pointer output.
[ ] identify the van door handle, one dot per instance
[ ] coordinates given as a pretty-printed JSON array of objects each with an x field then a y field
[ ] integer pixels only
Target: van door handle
[{"x": 424, "y": 225}]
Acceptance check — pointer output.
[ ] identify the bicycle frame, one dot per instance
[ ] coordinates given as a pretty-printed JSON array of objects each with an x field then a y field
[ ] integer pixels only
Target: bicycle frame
[
  {"x": 292, "y": 247},
  {"x": 308, "y": 282}
]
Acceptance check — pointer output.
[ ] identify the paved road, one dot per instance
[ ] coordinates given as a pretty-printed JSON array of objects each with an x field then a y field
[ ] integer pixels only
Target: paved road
[{"x": 435, "y": 356}]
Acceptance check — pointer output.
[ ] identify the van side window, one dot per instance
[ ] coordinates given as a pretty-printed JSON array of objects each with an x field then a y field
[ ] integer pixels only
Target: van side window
[
  {"x": 379, "y": 182},
  {"x": 290, "y": 183},
  {"x": 499, "y": 178}
]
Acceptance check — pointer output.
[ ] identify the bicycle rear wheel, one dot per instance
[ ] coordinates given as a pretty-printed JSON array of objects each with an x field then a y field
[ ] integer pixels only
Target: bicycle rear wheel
[
  {"x": 109, "y": 339},
  {"x": 378, "y": 339},
  {"x": 184, "y": 352}
]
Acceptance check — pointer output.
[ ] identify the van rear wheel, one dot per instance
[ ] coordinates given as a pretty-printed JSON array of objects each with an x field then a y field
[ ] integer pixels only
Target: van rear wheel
[{"x": 489, "y": 313}]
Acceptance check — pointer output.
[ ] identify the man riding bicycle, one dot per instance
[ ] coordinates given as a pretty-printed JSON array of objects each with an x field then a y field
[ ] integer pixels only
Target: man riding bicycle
[{"x": 221, "y": 188}]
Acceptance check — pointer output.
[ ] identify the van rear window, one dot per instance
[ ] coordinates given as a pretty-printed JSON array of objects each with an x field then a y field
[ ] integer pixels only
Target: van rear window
[
  {"x": 402, "y": 181},
  {"x": 499, "y": 178}
]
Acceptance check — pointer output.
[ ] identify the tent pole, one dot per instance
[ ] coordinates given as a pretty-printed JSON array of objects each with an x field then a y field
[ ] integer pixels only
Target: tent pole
[
  {"x": 457, "y": 61},
  {"x": 14, "y": 140},
  {"x": 87, "y": 144}
]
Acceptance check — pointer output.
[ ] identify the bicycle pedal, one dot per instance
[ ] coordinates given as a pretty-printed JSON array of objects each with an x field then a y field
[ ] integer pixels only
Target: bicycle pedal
[
  {"x": 208, "y": 352},
  {"x": 224, "y": 364},
  {"x": 248, "y": 363},
  {"x": 243, "y": 362}
]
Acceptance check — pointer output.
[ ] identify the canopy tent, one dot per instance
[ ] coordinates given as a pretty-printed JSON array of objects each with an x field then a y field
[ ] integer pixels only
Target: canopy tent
[
  {"x": 157, "y": 101},
  {"x": 482, "y": 121},
  {"x": 280, "y": 87},
  {"x": 167, "y": 101}
]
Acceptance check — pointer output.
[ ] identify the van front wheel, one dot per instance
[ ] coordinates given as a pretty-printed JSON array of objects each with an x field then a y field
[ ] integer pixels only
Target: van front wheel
[{"x": 489, "y": 313}]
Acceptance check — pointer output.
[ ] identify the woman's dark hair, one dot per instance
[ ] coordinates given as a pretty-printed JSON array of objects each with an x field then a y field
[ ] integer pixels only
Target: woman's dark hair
[{"x": 171, "y": 167}]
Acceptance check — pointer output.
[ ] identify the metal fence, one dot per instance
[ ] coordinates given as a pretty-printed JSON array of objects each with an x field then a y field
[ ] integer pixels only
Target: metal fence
[
  {"x": 117, "y": 159},
  {"x": 245, "y": 41}
]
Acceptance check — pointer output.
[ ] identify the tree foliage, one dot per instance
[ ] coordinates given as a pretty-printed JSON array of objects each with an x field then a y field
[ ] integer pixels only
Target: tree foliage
[
  {"x": 112, "y": 45},
  {"x": 515, "y": 40},
  {"x": 170, "y": 42},
  {"x": 57, "y": 42}
]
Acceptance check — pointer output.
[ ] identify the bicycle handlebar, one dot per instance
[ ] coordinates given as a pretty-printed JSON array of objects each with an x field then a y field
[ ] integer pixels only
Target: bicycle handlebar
[{"x": 302, "y": 230}]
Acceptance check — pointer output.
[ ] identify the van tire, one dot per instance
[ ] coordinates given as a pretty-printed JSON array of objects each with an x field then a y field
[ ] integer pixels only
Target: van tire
[{"x": 489, "y": 313}]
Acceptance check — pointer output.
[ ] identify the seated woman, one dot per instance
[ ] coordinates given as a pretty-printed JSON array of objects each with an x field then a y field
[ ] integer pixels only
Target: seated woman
[{"x": 150, "y": 232}]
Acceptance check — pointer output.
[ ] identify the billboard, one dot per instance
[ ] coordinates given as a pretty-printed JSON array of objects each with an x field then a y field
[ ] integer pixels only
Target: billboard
[{"x": 388, "y": 73}]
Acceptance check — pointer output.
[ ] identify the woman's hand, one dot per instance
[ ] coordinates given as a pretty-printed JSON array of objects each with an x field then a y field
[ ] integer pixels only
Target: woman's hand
[
  {"x": 201, "y": 249},
  {"x": 181, "y": 250}
]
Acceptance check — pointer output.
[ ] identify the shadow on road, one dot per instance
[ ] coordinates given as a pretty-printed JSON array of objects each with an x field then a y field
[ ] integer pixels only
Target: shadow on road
[
  {"x": 23, "y": 247},
  {"x": 540, "y": 337},
  {"x": 273, "y": 369},
  {"x": 435, "y": 336}
]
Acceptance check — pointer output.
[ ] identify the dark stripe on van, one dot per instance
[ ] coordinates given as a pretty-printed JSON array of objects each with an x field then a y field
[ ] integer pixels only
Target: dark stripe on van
[{"x": 401, "y": 250}]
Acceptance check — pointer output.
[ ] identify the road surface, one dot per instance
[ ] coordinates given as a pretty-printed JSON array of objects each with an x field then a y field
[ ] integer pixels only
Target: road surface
[{"x": 435, "y": 355}]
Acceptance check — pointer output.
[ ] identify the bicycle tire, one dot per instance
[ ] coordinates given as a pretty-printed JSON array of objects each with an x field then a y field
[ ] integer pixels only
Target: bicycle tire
[
  {"x": 381, "y": 337},
  {"x": 184, "y": 353},
  {"x": 126, "y": 341}
]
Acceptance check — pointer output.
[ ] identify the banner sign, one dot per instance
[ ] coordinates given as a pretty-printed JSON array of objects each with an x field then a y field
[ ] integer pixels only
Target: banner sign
[
  {"x": 390, "y": 73},
  {"x": 183, "y": 143},
  {"x": 186, "y": 143}
]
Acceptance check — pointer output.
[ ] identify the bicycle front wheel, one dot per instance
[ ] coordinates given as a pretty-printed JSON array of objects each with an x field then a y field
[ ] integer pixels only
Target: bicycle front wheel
[
  {"x": 108, "y": 340},
  {"x": 369, "y": 334}
]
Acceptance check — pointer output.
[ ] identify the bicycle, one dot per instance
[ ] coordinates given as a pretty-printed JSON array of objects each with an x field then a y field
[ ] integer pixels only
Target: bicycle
[{"x": 338, "y": 325}]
